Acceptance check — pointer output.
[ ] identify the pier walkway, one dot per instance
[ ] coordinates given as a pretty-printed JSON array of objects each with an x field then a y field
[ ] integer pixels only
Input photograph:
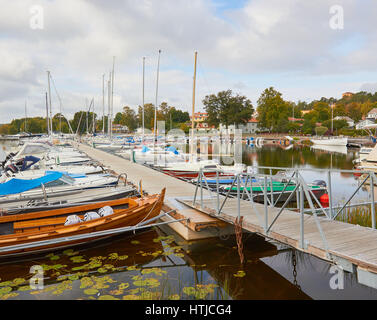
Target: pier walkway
[
  {"x": 153, "y": 182},
  {"x": 352, "y": 247}
]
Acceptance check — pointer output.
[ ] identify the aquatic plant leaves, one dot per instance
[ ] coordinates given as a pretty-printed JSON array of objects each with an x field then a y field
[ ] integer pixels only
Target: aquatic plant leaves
[
  {"x": 107, "y": 297},
  {"x": 90, "y": 291},
  {"x": 156, "y": 271},
  {"x": 70, "y": 252},
  {"x": 77, "y": 259},
  {"x": 239, "y": 274}
]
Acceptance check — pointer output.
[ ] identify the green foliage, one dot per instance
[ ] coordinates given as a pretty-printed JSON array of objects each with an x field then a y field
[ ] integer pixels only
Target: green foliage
[
  {"x": 226, "y": 108},
  {"x": 273, "y": 111},
  {"x": 320, "y": 131}
]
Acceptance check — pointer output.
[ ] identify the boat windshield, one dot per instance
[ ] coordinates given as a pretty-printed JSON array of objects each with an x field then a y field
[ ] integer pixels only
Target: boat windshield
[{"x": 64, "y": 180}]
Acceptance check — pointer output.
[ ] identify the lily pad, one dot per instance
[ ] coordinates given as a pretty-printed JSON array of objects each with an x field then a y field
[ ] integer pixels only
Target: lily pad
[{"x": 90, "y": 291}]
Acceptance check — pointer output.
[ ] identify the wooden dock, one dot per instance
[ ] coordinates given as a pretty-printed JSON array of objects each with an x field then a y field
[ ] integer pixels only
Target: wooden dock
[
  {"x": 352, "y": 247},
  {"x": 198, "y": 225}
]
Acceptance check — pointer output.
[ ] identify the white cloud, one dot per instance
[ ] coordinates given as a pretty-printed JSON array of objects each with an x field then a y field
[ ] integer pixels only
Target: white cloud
[{"x": 267, "y": 42}]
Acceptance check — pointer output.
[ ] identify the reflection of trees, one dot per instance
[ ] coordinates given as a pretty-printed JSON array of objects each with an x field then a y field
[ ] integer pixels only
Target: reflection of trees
[{"x": 272, "y": 156}]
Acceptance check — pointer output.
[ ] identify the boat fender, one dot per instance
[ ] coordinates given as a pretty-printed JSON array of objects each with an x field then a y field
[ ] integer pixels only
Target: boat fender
[
  {"x": 72, "y": 219},
  {"x": 91, "y": 216},
  {"x": 105, "y": 211}
]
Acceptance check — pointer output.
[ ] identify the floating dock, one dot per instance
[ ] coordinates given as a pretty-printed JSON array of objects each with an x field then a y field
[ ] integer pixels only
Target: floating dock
[
  {"x": 352, "y": 247},
  {"x": 198, "y": 226}
]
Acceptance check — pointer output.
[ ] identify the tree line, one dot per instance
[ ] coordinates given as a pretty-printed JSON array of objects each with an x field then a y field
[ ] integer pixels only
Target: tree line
[{"x": 272, "y": 112}]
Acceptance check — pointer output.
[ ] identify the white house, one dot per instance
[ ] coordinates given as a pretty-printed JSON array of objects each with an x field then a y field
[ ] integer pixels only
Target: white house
[
  {"x": 363, "y": 123},
  {"x": 372, "y": 114},
  {"x": 250, "y": 127},
  {"x": 350, "y": 122}
]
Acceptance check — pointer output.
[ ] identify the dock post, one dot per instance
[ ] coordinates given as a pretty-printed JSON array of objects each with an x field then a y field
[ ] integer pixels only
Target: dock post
[
  {"x": 217, "y": 193},
  {"x": 330, "y": 194},
  {"x": 297, "y": 192},
  {"x": 265, "y": 205},
  {"x": 302, "y": 241},
  {"x": 201, "y": 188},
  {"x": 373, "y": 212},
  {"x": 238, "y": 197},
  {"x": 272, "y": 190}
]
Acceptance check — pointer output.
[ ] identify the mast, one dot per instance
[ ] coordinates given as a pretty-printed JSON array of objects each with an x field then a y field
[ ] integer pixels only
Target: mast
[
  {"x": 49, "y": 98},
  {"x": 108, "y": 105},
  {"x": 25, "y": 117},
  {"x": 193, "y": 106},
  {"x": 143, "y": 125},
  {"x": 103, "y": 103},
  {"x": 48, "y": 122},
  {"x": 112, "y": 99},
  {"x": 155, "y": 107},
  {"x": 87, "y": 116},
  {"x": 93, "y": 125}
]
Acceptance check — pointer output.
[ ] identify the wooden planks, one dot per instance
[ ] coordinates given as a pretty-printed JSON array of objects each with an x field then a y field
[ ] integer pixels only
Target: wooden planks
[{"x": 356, "y": 244}]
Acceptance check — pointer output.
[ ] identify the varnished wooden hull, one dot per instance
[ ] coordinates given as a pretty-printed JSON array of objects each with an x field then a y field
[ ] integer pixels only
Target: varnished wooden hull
[{"x": 34, "y": 230}]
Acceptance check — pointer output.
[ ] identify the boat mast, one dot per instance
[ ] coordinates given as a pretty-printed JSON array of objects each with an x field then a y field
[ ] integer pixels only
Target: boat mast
[
  {"x": 142, "y": 139},
  {"x": 193, "y": 106},
  {"x": 112, "y": 99},
  {"x": 155, "y": 107},
  {"x": 108, "y": 105},
  {"x": 93, "y": 118},
  {"x": 103, "y": 103},
  {"x": 48, "y": 122},
  {"x": 49, "y": 98},
  {"x": 25, "y": 116}
]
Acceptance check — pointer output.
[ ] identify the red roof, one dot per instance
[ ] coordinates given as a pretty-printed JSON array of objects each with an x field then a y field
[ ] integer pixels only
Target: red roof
[
  {"x": 295, "y": 119},
  {"x": 253, "y": 120}
]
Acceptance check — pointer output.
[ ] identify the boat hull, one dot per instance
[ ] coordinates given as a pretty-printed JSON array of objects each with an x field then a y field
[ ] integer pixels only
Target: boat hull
[{"x": 142, "y": 210}]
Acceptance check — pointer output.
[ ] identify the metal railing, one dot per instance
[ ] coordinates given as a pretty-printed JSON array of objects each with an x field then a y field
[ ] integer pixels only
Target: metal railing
[{"x": 307, "y": 203}]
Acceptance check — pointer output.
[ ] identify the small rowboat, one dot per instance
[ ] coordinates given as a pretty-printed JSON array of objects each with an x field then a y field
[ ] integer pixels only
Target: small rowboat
[{"x": 43, "y": 231}]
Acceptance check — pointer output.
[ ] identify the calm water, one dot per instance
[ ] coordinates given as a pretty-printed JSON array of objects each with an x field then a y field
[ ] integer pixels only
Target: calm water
[{"x": 158, "y": 264}]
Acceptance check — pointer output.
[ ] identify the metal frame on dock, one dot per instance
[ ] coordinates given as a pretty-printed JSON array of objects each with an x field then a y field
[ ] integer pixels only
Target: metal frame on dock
[{"x": 304, "y": 196}]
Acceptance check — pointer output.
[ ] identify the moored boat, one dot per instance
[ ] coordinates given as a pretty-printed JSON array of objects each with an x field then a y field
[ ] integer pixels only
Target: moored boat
[{"x": 43, "y": 231}]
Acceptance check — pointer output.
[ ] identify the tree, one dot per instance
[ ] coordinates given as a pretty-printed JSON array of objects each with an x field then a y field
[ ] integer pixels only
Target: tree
[
  {"x": 226, "y": 108},
  {"x": 320, "y": 131},
  {"x": 354, "y": 111},
  {"x": 273, "y": 111}
]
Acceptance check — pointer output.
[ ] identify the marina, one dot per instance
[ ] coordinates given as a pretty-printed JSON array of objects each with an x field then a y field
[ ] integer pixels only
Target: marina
[
  {"x": 206, "y": 151},
  {"x": 190, "y": 216}
]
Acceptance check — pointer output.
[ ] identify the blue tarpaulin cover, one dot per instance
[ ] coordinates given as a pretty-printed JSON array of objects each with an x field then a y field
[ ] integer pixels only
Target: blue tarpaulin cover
[
  {"x": 72, "y": 175},
  {"x": 172, "y": 149},
  {"x": 21, "y": 185}
]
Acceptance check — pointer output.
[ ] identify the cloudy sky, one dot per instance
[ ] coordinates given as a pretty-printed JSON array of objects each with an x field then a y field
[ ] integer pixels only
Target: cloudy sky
[{"x": 243, "y": 45}]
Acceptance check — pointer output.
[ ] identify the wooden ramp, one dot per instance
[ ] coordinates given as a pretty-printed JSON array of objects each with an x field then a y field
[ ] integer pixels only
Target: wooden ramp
[{"x": 351, "y": 246}]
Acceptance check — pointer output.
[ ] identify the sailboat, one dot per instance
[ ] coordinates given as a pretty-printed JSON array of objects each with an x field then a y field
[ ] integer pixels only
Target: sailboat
[{"x": 331, "y": 141}]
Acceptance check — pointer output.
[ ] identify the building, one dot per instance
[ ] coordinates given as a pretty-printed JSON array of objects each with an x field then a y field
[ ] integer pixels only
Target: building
[
  {"x": 118, "y": 128},
  {"x": 347, "y": 94},
  {"x": 200, "y": 117},
  {"x": 250, "y": 127},
  {"x": 372, "y": 114},
  {"x": 304, "y": 112},
  {"x": 350, "y": 122},
  {"x": 363, "y": 123}
]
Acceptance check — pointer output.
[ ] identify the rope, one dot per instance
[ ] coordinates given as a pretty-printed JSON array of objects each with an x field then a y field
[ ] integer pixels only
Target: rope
[{"x": 238, "y": 231}]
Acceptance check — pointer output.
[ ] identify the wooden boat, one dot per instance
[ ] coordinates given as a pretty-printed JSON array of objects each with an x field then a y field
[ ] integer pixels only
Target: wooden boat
[{"x": 43, "y": 231}]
